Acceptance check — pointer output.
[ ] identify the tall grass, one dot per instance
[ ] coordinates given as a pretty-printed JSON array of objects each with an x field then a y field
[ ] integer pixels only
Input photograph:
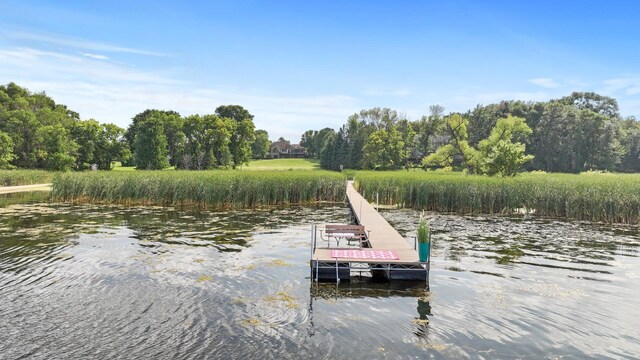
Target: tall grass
[
  {"x": 203, "y": 189},
  {"x": 612, "y": 198},
  {"x": 24, "y": 177}
]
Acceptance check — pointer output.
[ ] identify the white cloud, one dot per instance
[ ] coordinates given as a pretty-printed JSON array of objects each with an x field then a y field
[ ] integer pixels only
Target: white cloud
[
  {"x": 113, "y": 92},
  {"x": 78, "y": 43},
  {"x": 625, "y": 90},
  {"x": 629, "y": 85},
  {"x": 547, "y": 83},
  {"x": 95, "y": 56}
]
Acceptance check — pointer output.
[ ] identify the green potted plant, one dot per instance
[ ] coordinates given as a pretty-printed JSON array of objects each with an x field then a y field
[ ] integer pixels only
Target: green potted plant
[{"x": 424, "y": 239}]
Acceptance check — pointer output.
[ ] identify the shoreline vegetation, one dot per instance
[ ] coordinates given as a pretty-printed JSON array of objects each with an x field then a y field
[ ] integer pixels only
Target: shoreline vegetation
[
  {"x": 25, "y": 177},
  {"x": 595, "y": 197},
  {"x": 200, "y": 189}
]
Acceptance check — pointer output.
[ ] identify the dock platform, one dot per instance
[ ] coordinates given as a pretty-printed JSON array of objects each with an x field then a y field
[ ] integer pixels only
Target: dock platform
[{"x": 381, "y": 236}]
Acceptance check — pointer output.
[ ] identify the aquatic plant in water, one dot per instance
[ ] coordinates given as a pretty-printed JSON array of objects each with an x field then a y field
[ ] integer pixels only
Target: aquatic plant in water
[
  {"x": 202, "y": 189},
  {"x": 610, "y": 198}
]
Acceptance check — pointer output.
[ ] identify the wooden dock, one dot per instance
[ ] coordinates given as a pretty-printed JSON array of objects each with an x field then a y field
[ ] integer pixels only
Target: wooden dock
[{"x": 381, "y": 236}]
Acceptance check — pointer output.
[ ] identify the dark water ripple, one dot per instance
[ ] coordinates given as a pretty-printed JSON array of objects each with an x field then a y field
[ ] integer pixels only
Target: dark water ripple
[{"x": 155, "y": 283}]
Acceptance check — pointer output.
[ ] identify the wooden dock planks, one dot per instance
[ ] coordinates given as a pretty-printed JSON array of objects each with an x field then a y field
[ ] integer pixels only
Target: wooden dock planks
[{"x": 382, "y": 236}]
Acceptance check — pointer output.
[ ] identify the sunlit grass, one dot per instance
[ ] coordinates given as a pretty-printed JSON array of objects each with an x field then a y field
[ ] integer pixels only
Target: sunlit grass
[
  {"x": 283, "y": 164},
  {"x": 203, "y": 189},
  {"x": 613, "y": 198},
  {"x": 25, "y": 177}
]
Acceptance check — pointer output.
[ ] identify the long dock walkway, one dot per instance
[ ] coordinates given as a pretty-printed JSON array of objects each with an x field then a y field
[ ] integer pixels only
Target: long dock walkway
[{"x": 381, "y": 236}]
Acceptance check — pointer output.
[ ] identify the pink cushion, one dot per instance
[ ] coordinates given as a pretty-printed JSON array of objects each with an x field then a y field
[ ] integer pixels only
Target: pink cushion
[{"x": 365, "y": 254}]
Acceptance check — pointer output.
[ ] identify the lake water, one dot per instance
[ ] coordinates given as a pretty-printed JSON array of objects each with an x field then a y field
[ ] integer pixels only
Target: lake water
[{"x": 108, "y": 281}]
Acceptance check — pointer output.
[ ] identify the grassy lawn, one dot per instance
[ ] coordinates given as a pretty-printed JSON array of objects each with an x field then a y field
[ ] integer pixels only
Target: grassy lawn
[
  {"x": 283, "y": 164},
  {"x": 117, "y": 166},
  {"x": 270, "y": 164}
]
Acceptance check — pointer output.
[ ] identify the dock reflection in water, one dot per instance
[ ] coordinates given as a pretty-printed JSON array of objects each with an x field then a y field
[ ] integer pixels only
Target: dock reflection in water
[{"x": 109, "y": 281}]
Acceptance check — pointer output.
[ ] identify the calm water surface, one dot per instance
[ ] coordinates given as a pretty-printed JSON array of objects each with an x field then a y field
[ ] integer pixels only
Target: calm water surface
[{"x": 106, "y": 282}]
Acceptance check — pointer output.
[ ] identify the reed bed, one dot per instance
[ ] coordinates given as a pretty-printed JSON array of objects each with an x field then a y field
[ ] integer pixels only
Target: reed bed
[
  {"x": 201, "y": 189},
  {"x": 611, "y": 198},
  {"x": 24, "y": 177}
]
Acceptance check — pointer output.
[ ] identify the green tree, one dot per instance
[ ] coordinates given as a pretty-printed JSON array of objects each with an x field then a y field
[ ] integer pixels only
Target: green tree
[
  {"x": 150, "y": 145},
  {"x": 242, "y": 133},
  {"x": 328, "y": 152},
  {"x": 242, "y": 136},
  {"x": 600, "y": 104},
  {"x": 428, "y": 127},
  {"x": 630, "y": 142},
  {"x": 221, "y": 132},
  {"x": 458, "y": 146},
  {"x": 379, "y": 118},
  {"x": 504, "y": 159},
  {"x": 357, "y": 134},
  {"x": 6, "y": 151},
  {"x": 408, "y": 136},
  {"x": 208, "y": 140},
  {"x": 22, "y": 125},
  {"x": 260, "y": 146},
  {"x": 320, "y": 139},
  {"x": 55, "y": 148},
  {"x": 235, "y": 112},
  {"x": 307, "y": 141},
  {"x": 85, "y": 134},
  {"x": 498, "y": 154},
  {"x": 171, "y": 126},
  {"x": 384, "y": 149},
  {"x": 568, "y": 139},
  {"x": 110, "y": 146}
]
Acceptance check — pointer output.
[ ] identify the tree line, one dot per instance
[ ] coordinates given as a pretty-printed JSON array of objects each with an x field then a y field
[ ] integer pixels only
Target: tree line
[
  {"x": 225, "y": 139},
  {"x": 580, "y": 132},
  {"x": 38, "y": 133}
]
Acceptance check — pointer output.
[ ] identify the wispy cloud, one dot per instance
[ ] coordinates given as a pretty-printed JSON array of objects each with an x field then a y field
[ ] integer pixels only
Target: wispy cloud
[
  {"x": 79, "y": 43},
  {"x": 629, "y": 85},
  {"x": 115, "y": 92},
  {"x": 625, "y": 89},
  {"x": 95, "y": 56},
  {"x": 547, "y": 83}
]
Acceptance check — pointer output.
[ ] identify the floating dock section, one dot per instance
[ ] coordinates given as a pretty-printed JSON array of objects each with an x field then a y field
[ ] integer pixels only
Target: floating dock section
[{"x": 328, "y": 263}]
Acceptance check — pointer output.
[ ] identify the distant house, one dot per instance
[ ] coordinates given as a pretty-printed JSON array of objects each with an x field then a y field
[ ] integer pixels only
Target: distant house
[{"x": 284, "y": 149}]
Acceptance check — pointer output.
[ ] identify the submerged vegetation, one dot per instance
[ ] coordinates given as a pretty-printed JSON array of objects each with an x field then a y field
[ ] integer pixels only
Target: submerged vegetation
[
  {"x": 205, "y": 189},
  {"x": 612, "y": 198},
  {"x": 24, "y": 177}
]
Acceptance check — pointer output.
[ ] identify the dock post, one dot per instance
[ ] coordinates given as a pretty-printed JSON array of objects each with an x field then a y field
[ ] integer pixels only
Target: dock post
[
  {"x": 313, "y": 246},
  {"x": 428, "y": 266},
  {"x": 377, "y": 202},
  {"x": 337, "y": 276},
  {"x": 313, "y": 243}
]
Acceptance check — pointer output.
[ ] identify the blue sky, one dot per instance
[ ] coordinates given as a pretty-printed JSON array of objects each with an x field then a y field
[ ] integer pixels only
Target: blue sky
[{"x": 300, "y": 65}]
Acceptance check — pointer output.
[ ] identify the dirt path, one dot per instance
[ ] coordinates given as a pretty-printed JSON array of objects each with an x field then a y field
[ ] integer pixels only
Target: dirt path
[{"x": 23, "y": 188}]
